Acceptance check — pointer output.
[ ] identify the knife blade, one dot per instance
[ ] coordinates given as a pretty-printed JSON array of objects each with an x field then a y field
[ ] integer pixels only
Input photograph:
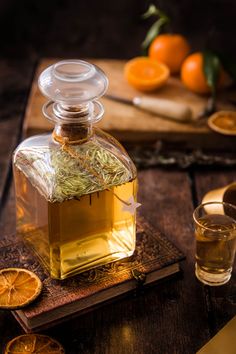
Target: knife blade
[{"x": 176, "y": 111}]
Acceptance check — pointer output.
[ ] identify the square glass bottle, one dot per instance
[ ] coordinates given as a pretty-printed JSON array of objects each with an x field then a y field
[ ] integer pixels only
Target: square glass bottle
[{"x": 76, "y": 189}]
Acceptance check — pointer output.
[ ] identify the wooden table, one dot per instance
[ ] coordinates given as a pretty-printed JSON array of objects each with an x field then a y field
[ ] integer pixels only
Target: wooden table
[{"x": 175, "y": 316}]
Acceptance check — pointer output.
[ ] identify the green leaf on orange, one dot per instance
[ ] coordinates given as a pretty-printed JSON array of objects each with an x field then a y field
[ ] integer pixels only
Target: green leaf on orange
[
  {"x": 151, "y": 11},
  {"x": 211, "y": 68},
  {"x": 153, "y": 32}
]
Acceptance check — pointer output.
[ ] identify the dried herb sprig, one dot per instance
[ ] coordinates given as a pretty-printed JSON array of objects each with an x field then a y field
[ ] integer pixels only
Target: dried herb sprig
[{"x": 59, "y": 176}]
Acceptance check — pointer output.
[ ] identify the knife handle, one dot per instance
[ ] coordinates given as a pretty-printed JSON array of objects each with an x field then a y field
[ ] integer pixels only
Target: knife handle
[{"x": 179, "y": 112}]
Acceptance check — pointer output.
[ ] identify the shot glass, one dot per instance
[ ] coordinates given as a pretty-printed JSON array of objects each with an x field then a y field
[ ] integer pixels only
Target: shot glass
[{"x": 215, "y": 233}]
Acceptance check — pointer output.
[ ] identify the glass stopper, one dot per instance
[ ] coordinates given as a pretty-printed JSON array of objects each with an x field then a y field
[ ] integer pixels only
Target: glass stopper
[{"x": 73, "y": 82}]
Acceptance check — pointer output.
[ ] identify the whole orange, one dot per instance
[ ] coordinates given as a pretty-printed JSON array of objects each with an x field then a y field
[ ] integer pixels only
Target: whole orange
[
  {"x": 192, "y": 74},
  {"x": 170, "y": 49}
]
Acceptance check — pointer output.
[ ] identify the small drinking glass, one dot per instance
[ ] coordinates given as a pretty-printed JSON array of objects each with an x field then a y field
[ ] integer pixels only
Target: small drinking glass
[{"x": 215, "y": 233}]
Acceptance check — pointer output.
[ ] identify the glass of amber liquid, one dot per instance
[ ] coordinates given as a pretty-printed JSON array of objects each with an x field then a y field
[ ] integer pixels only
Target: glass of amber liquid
[{"x": 215, "y": 233}]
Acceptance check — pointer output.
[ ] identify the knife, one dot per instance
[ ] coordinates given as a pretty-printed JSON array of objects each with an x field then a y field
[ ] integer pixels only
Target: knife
[{"x": 176, "y": 111}]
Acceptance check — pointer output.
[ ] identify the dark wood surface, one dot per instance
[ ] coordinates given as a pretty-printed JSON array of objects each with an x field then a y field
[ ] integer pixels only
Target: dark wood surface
[{"x": 176, "y": 316}]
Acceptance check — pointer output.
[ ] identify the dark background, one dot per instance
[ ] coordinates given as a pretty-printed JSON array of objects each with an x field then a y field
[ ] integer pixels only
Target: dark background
[{"x": 105, "y": 28}]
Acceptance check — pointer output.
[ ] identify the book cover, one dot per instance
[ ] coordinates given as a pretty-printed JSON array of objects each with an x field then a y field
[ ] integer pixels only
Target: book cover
[{"x": 155, "y": 257}]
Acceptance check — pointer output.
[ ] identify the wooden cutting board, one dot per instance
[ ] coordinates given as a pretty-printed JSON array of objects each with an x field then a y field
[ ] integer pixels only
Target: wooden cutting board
[{"x": 131, "y": 124}]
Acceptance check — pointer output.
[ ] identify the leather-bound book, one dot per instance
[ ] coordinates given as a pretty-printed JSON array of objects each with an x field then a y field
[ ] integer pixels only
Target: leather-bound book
[{"x": 155, "y": 258}]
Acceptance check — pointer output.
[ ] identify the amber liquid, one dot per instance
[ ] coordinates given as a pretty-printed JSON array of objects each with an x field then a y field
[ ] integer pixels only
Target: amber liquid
[
  {"x": 78, "y": 234},
  {"x": 215, "y": 250}
]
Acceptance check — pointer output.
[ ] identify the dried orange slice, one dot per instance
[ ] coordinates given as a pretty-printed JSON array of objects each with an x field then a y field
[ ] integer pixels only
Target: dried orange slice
[
  {"x": 33, "y": 343},
  {"x": 146, "y": 74},
  {"x": 223, "y": 122},
  {"x": 18, "y": 288}
]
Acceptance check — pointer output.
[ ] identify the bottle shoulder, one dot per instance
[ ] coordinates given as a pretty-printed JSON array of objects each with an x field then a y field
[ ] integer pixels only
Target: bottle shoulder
[
  {"x": 41, "y": 142},
  {"x": 111, "y": 144},
  {"x": 35, "y": 141},
  {"x": 98, "y": 136},
  {"x": 63, "y": 171}
]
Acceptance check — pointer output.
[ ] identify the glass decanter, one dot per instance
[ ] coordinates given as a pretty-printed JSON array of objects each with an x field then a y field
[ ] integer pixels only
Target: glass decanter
[{"x": 76, "y": 189}]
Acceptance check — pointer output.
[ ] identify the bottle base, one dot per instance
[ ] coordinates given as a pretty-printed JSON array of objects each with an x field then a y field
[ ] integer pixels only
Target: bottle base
[
  {"x": 118, "y": 257},
  {"x": 91, "y": 252}
]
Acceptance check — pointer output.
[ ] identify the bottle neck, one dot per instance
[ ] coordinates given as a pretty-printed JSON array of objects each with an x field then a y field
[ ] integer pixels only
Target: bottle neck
[
  {"x": 74, "y": 133},
  {"x": 72, "y": 123}
]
